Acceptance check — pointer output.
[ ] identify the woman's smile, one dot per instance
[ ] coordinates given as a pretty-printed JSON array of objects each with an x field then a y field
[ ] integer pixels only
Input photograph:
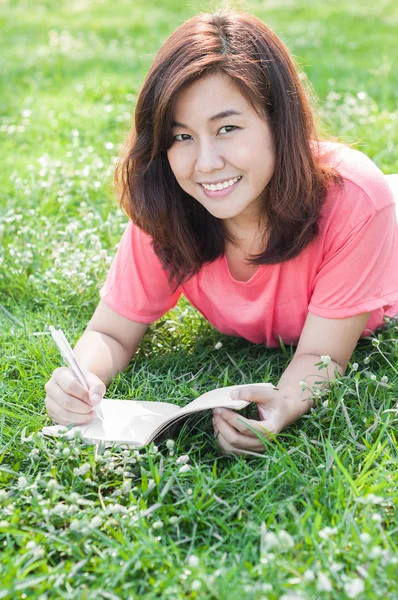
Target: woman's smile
[{"x": 224, "y": 191}]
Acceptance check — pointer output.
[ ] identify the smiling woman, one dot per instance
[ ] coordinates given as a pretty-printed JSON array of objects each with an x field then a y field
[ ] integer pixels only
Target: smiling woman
[{"x": 234, "y": 201}]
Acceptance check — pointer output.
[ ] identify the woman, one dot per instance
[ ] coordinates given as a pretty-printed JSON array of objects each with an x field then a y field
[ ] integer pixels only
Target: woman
[{"x": 234, "y": 202}]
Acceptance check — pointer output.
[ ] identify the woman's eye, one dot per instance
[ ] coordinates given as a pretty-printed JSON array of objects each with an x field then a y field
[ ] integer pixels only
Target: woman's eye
[{"x": 230, "y": 127}]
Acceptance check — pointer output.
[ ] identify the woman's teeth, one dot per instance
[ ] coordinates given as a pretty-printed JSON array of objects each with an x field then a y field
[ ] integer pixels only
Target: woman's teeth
[{"x": 221, "y": 186}]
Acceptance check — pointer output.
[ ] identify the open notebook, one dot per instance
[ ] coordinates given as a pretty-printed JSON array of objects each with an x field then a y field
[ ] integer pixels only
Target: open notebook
[{"x": 137, "y": 423}]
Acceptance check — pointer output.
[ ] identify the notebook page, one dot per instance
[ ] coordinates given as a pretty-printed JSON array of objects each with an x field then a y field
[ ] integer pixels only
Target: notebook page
[
  {"x": 219, "y": 398},
  {"x": 130, "y": 421}
]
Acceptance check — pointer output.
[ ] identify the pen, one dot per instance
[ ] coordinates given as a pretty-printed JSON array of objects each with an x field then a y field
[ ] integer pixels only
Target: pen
[{"x": 69, "y": 357}]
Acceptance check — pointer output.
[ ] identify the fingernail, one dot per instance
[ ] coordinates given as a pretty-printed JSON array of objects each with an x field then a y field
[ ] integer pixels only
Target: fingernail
[
  {"x": 95, "y": 399},
  {"x": 235, "y": 394},
  {"x": 218, "y": 411}
]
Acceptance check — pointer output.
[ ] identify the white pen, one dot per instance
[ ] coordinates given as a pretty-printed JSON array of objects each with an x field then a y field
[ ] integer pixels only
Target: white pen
[{"x": 69, "y": 357}]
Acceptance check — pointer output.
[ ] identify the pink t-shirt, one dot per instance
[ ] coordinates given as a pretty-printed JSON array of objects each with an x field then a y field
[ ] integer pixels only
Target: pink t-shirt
[{"x": 350, "y": 268}]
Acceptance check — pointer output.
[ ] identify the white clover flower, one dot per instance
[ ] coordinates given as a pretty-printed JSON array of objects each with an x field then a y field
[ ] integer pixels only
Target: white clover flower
[
  {"x": 182, "y": 459},
  {"x": 82, "y": 470},
  {"x": 185, "y": 469},
  {"x": 75, "y": 525},
  {"x": 95, "y": 522},
  {"x": 303, "y": 385},
  {"x": 365, "y": 538},
  {"x": 66, "y": 452},
  {"x": 285, "y": 540},
  {"x": 373, "y": 377},
  {"x": 355, "y": 366},
  {"x": 193, "y": 561},
  {"x": 366, "y": 360},
  {"x": 22, "y": 482},
  {"x": 196, "y": 585},
  {"x": 173, "y": 520},
  {"x": 384, "y": 379},
  {"x": 326, "y": 359},
  {"x": 218, "y": 345},
  {"x": 52, "y": 484},
  {"x": 31, "y": 544},
  {"x": 4, "y": 524},
  {"x": 370, "y": 499},
  {"x": 324, "y": 584},
  {"x": 309, "y": 575},
  {"x": 157, "y": 524},
  {"x": 126, "y": 487},
  {"x": 327, "y": 532},
  {"x": 375, "y": 342},
  {"x": 116, "y": 508},
  {"x": 270, "y": 540},
  {"x": 170, "y": 444},
  {"x": 354, "y": 587},
  {"x": 3, "y": 495},
  {"x": 375, "y": 552}
]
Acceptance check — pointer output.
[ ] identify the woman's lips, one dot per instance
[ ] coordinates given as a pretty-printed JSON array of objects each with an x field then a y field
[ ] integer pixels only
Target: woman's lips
[{"x": 221, "y": 193}]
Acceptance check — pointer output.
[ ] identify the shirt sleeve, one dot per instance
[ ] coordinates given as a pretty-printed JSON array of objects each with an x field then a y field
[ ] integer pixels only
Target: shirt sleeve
[
  {"x": 359, "y": 270},
  {"x": 137, "y": 286}
]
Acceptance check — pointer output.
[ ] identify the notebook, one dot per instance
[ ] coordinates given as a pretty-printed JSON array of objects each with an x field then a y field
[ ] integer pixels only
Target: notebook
[{"x": 137, "y": 423}]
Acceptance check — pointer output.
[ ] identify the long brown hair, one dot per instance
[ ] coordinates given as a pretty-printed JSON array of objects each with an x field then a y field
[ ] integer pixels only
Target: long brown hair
[{"x": 185, "y": 235}]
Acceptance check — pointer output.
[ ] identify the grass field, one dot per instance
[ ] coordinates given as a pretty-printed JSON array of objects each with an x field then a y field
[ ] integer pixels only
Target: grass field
[{"x": 315, "y": 516}]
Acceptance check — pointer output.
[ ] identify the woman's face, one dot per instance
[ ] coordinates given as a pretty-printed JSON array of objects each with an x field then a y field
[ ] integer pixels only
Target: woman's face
[{"x": 209, "y": 149}]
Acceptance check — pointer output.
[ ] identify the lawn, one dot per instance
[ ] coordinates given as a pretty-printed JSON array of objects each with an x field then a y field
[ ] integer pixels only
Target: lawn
[{"x": 313, "y": 517}]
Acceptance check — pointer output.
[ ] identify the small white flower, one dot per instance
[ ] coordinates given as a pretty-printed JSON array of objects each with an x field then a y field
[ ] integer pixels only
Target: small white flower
[
  {"x": 218, "y": 345},
  {"x": 326, "y": 359},
  {"x": 384, "y": 379},
  {"x": 157, "y": 524},
  {"x": 365, "y": 538},
  {"x": 3, "y": 524},
  {"x": 126, "y": 487},
  {"x": 370, "y": 499},
  {"x": 285, "y": 540},
  {"x": 52, "y": 484},
  {"x": 303, "y": 385},
  {"x": 170, "y": 444},
  {"x": 108, "y": 145},
  {"x": 354, "y": 587},
  {"x": 366, "y": 360},
  {"x": 196, "y": 585},
  {"x": 309, "y": 575},
  {"x": 375, "y": 552},
  {"x": 95, "y": 522},
  {"x": 375, "y": 342},
  {"x": 22, "y": 482},
  {"x": 182, "y": 459},
  {"x": 324, "y": 584},
  {"x": 376, "y": 517},
  {"x": 185, "y": 469},
  {"x": 327, "y": 532},
  {"x": 355, "y": 367},
  {"x": 373, "y": 377},
  {"x": 270, "y": 540},
  {"x": 173, "y": 520},
  {"x": 75, "y": 525},
  {"x": 193, "y": 561}
]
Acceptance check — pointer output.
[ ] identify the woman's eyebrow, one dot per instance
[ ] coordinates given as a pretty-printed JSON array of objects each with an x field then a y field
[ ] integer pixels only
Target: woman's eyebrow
[{"x": 222, "y": 115}]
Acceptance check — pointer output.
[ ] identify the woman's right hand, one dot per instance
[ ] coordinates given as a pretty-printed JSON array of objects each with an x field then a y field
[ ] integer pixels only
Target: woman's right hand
[{"x": 67, "y": 401}]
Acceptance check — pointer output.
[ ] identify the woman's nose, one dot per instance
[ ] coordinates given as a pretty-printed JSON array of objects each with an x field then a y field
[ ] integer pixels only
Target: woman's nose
[{"x": 208, "y": 158}]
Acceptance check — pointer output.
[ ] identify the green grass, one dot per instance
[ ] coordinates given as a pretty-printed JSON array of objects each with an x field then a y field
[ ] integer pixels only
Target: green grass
[{"x": 315, "y": 516}]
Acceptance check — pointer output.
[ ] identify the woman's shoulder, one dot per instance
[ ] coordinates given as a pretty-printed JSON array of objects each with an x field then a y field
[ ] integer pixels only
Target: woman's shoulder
[{"x": 358, "y": 172}]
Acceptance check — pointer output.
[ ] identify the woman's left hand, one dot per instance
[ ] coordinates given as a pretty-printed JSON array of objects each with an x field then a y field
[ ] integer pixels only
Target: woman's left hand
[{"x": 231, "y": 428}]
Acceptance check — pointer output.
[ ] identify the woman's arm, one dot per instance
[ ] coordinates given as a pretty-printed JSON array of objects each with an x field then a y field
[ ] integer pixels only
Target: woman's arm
[
  {"x": 280, "y": 407},
  {"x": 336, "y": 338},
  {"x": 108, "y": 343}
]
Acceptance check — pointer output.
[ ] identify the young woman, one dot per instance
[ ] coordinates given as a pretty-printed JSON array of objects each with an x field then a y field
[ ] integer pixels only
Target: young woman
[{"x": 235, "y": 203}]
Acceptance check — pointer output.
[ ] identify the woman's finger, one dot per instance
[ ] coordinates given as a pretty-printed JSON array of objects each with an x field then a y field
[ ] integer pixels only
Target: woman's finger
[{"x": 237, "y": 439}]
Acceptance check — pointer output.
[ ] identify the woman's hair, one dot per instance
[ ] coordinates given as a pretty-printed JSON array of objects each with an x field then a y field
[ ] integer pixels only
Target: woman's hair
[{"x": 185, "y": 235}]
